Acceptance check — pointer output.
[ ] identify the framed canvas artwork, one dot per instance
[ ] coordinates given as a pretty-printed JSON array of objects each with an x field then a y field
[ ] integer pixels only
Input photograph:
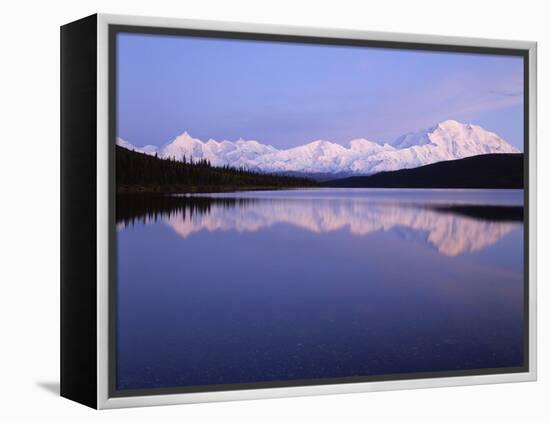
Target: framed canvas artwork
[{"x": 254, "y": 211}]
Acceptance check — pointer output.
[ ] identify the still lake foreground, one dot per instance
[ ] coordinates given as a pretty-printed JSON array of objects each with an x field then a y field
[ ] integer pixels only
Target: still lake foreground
[{"x": 319, "y": 283}]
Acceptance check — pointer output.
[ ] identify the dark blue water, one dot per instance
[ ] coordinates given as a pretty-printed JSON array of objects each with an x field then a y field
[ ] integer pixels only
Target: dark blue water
[{"x": 278, "y": 286}]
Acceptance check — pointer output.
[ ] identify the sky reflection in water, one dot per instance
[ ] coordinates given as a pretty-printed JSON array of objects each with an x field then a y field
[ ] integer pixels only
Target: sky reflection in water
[{"x": 302, "y": 284}]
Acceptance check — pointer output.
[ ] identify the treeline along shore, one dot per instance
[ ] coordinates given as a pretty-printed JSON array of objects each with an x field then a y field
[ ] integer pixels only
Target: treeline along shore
[
  {"x": 139, "y": 172},
  {"x": 143, "y": 173}
]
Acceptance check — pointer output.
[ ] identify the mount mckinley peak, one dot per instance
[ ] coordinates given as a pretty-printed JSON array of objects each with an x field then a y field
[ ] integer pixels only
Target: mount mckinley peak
[{"x": 448, "y": 140}]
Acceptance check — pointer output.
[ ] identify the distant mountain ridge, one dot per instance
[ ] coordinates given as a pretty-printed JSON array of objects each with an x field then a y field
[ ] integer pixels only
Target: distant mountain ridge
[
  {"x": 490, "y": 171},
  {"x": 449, "y": 140}
]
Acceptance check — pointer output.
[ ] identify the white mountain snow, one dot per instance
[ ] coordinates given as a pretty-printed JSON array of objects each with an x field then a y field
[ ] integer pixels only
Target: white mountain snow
[
  {"x": 449, "y": 140},
  {"x": 148, "y": 149}
]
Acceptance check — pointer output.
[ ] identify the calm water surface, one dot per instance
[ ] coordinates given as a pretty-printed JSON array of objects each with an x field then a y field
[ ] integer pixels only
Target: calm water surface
[{"x": 321, "y": 283}]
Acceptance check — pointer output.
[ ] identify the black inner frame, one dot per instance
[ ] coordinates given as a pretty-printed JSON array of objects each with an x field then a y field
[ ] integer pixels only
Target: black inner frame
[{"x": 112, "y": 107}]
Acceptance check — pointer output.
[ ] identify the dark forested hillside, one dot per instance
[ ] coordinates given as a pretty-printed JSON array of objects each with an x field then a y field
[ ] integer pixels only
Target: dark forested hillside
[
  {"x": 483, "y": 171},
  {"x": 138, "y": 172}
]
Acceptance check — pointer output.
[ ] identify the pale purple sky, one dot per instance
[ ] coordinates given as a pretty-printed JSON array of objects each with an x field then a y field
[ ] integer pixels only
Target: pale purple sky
[{"x": 289, "y": 94}]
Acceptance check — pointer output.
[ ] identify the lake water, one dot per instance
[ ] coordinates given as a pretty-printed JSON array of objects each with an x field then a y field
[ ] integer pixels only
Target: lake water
[{"x": 321, "y": 283}]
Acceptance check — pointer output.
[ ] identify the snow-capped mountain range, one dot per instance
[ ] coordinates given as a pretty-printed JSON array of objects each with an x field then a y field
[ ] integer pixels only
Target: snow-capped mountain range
[{"x": 449, "y": 140}]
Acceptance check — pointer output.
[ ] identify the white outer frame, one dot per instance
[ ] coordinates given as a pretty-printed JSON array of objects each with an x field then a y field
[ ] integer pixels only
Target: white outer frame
[{"x": 103, "y": 400}]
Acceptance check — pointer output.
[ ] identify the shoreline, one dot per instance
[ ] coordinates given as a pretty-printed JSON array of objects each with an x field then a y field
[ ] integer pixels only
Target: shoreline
[{"x": 186, "y": 189}]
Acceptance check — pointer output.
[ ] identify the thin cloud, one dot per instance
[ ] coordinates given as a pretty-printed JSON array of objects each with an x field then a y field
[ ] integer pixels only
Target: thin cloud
[{"x": 507, "y": 93}]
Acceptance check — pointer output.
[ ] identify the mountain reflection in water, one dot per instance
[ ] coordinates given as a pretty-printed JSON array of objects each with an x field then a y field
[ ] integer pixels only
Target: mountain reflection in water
[{"x": 452, "y": 228}]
